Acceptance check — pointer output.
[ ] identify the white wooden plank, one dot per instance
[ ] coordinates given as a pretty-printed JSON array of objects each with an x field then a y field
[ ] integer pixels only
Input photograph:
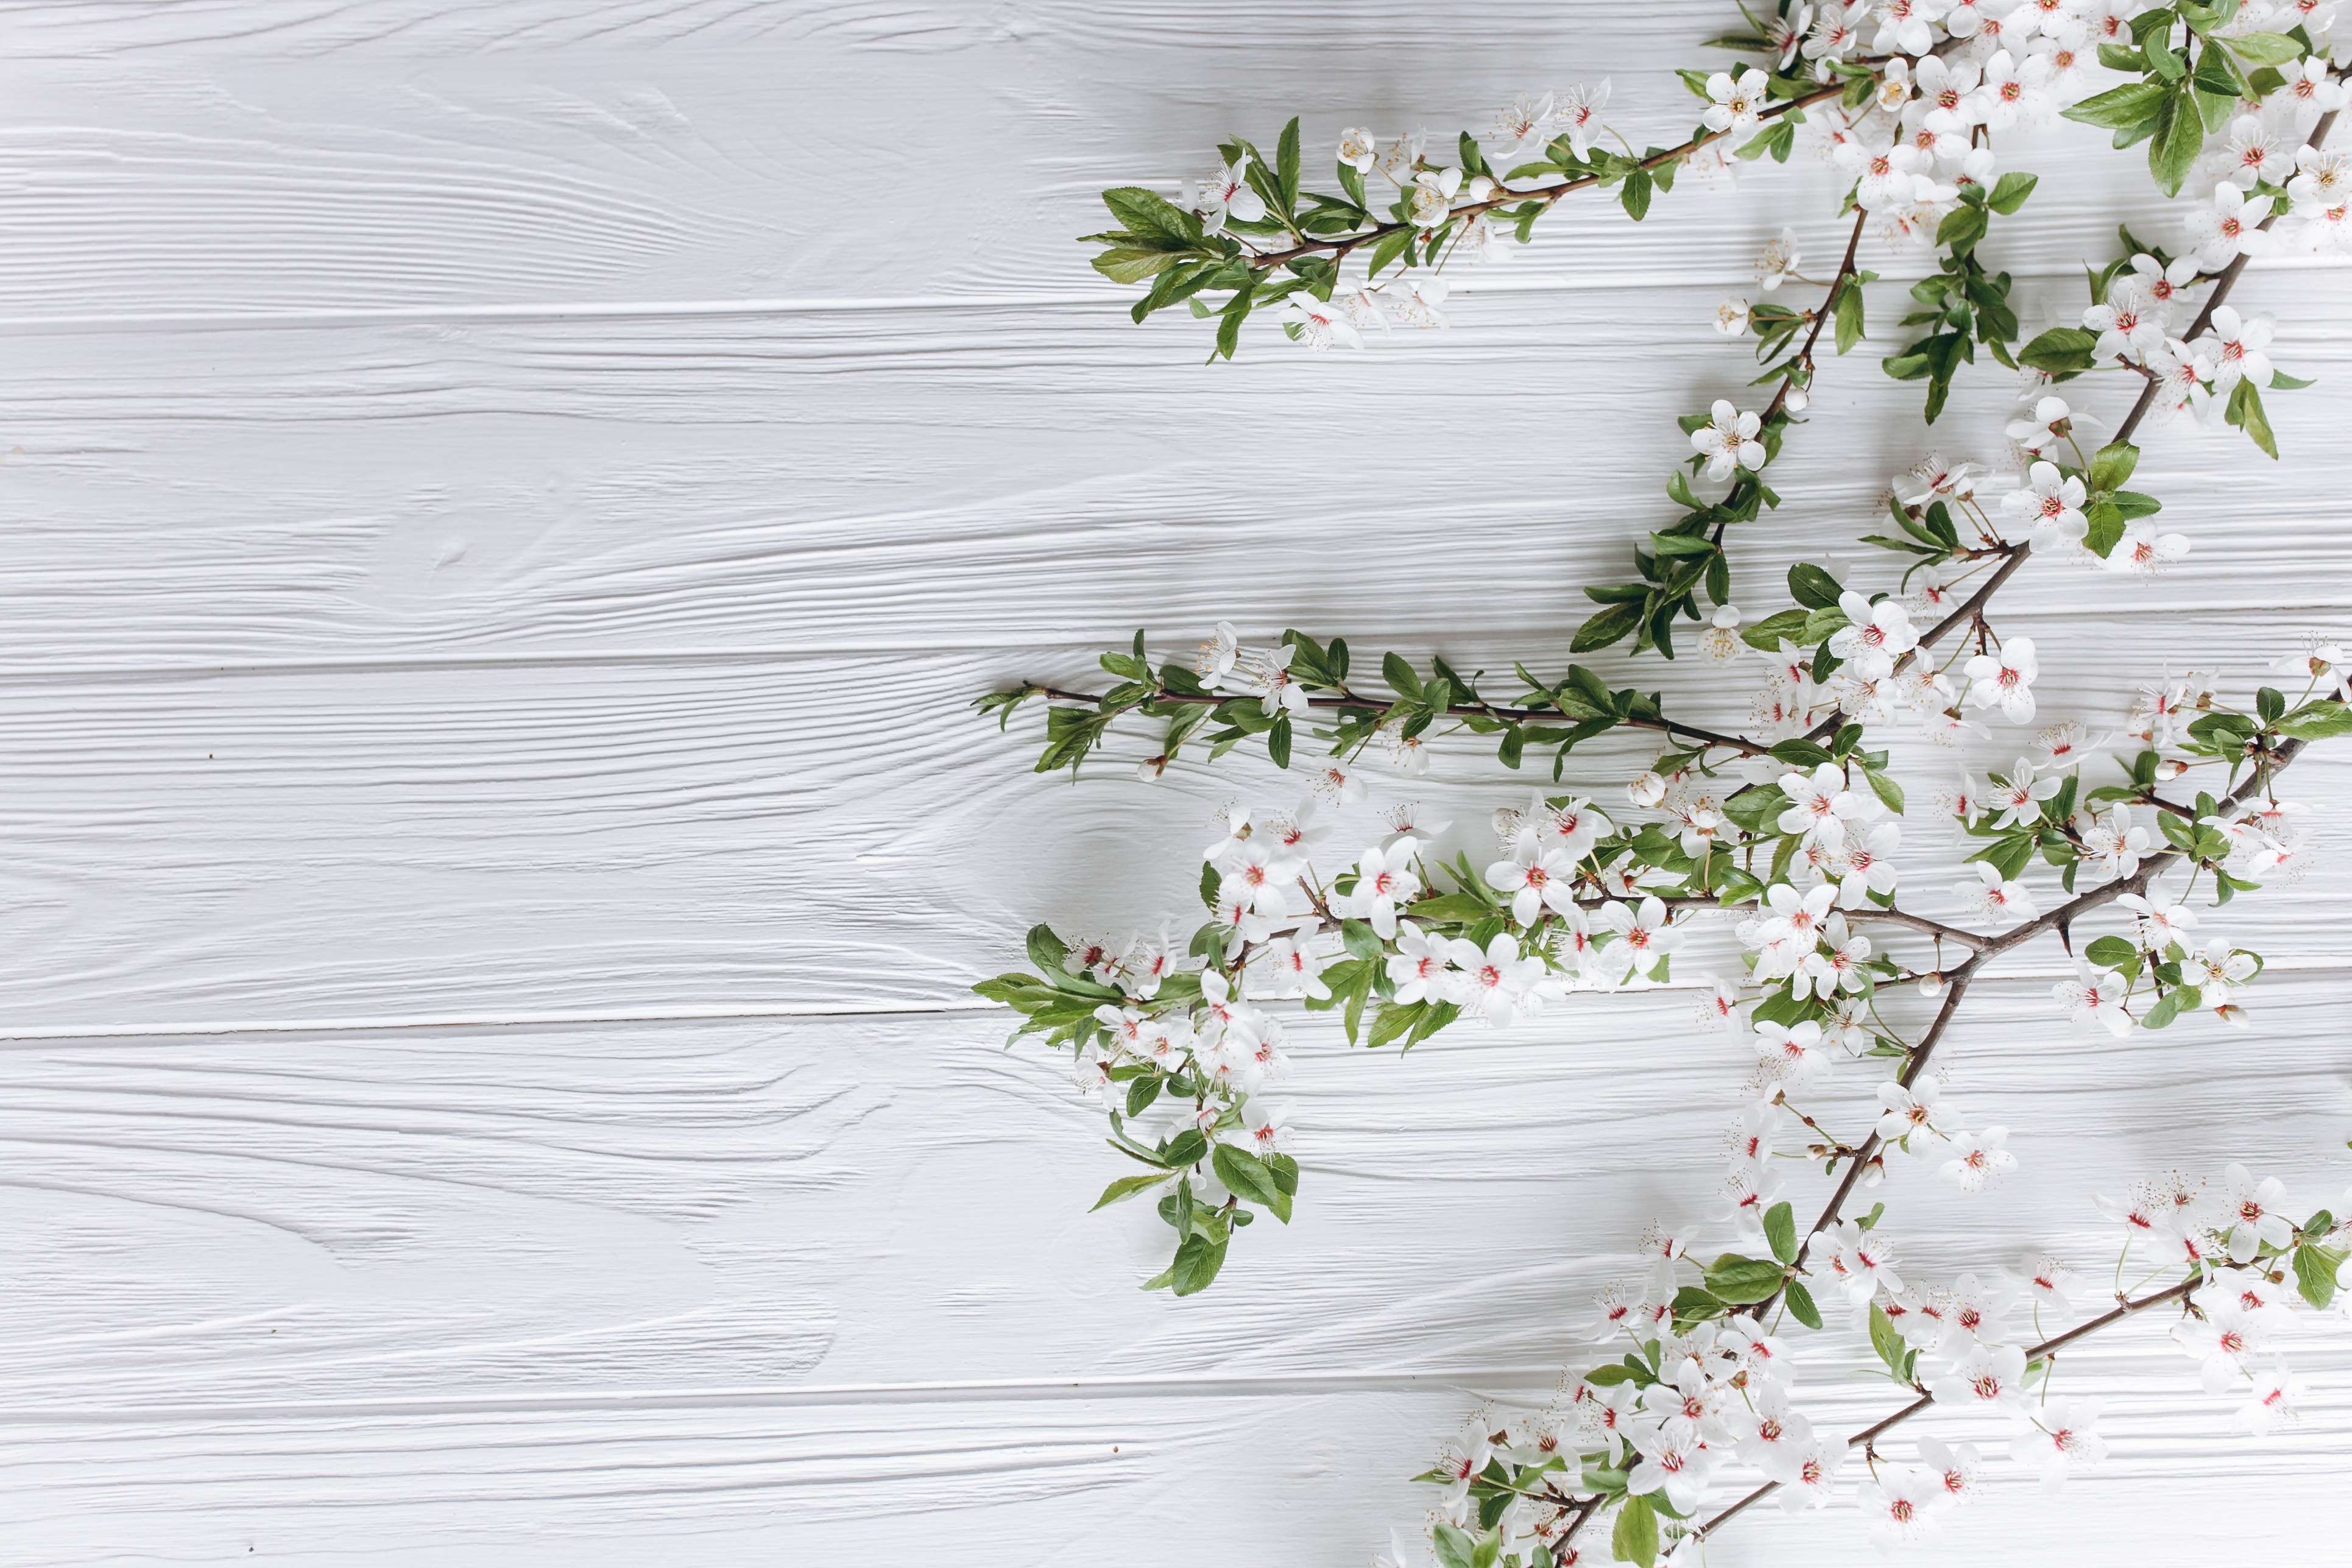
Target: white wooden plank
[
  {"x": 878, "y": 479},
  {"x": 562, "y": 1290},
  {"x": 496, "y": 842},
  {"x": 319, "y": 157}
]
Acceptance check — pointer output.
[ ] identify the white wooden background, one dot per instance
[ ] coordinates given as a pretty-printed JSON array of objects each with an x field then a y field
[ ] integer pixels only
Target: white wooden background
[{"x": 505, "y": 502}]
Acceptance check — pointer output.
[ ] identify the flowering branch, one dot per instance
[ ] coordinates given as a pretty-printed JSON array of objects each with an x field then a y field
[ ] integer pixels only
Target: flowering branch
[
  {"x": 1791, "y": 827},
  {"x": 2041, "y": 1353}
]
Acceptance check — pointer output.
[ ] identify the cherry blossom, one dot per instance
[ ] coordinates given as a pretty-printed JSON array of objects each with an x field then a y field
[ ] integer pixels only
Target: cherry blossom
[
  {"x": 2251, "y": 152},
  {"x": 1813, "y": 1473},
  {"x": 1992, "y": 894},
  {"x": 1384, "y": 878},
  {"x": 1877, "y": 636},
  {"x": 1227, "y": 194},
  {"x": 2048, "y": 424},
  {"x": 1908, "y": 1110},
  {"x": 2113, "y": 844},
  {"x": 2004, "y": 679},
  {"x": 2058, "y": 1438},
  {"x": 1791, "y": 1052},
  {"x": 2275, "y": 1398},
  {"x": 1957, "y": 1471},
  {"x": 2226, "y": 228},
  {"x": 1987, "y": 1377},
  {"x": 1900, "y": 1504},
  {"x": 1645, "y": 938},
  {"x": 1735, "y": 102},
  {"x": 2250, "y": 1210},
  {"x": 1905, "y": 26},
  {"x": 1728, "y": 440},
  {"x": 1501, "y": 983},
  {"x": 2233, "y": 349},
  {"x": 1978, "y": 1158},
  {"x": 1538, "y": 879},
  {"x": 2015, "y": 91},
  {"x": 2094, "y": 996}
]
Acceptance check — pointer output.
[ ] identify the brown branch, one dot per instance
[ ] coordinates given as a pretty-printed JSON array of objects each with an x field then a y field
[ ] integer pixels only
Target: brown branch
[
  {"x": 1821, "y": 317},
  {"x": 1872, "y": 1433}
]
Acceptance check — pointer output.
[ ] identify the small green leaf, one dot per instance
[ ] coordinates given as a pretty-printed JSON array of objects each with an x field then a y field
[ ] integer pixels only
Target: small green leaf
[
  {"x": 1780, "y": 1231},
  {"x": 1884, "y": 1340},
  {"x": 1245, "y": 1175},
  {"x": 2011, "y": 193},
  {"x": 1455, "y": 1548},
  {"x": 1126, "y": 1187},
  {"x": 2264, "y": 48},
  {"x": 1813, "y": 588},
  {"x": 2110, "y": 953},
  {"x": 1800, "y": 1305},
  {"x": 1743, "y": 1280},
  {"x": 2315, "y": 1272},
  {"x": 1635, "y": 1539}
]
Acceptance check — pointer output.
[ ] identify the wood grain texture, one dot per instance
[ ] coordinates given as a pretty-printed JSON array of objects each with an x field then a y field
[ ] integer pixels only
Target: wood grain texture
[{"x": 497, "y": 850}]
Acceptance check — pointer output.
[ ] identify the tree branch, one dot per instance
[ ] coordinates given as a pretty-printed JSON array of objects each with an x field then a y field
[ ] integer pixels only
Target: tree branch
[{"x": 1871, "y": 1432}]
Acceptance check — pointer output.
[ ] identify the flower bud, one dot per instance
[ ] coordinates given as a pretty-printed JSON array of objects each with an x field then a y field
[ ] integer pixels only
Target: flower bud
[
  {"x": 1481, "y": 188},
  {"x": 2230, "y": 1012},
  {"x": 1931, "y": 986},
  {"x": 1151, "y": 768},
  {"x": 1874, "y": 1172},
  {"x": 1648, "y": 790},
  {"x": 2171, "y": 769},
  {"x": 1796, "y": 400}
]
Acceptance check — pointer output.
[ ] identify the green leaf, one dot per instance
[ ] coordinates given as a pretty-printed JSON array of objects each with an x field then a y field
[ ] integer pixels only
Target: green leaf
[
  {"x": 1616, "y": 622},
  {"x": 2245, "y": 411},
  {"x": 1126, "y": 1187},
  {"x": 1399, "y": 675},
  {"x": 1455, "y": 1548},
  {"x": 1197, "y": 1262},
  {"x": 2110, "y": 953},
  {"x": 2315, "y": 1272},
  {"x": 1389, "y": 247},
  {"x": 1743, "y": 1280},
  {"x": 2112, "y": 465},
  {"x": 2179, "y": 138},
  {"x": 1772, "y": 630},
  {"x": 2121, "y": 107},
  {"x": 2061, "y": 349},
  {"x": 1780, "y": 1231},
  {"x": 2011, "y": 193},
  {"x": 1277, "y": 741},
  {"x": 1800, "y": 1305},
  {"x": 2264, "y": 48},
  {"x": 2281, "y": 382},
  {"x": 1884, "y": 1340},
  {"x": 2320, "y": 721},
  {"x": 1961, "y": 227},
  {"x": 1286, "y": 163},
  {"x": 1636, "y": 195},
  {"x": 1126, "y": 264},
  {"x": 1635, "y": 1539},
  {"x": 1245, "y": 1175},
  {"x": 1849, "y": 315},
  {"x": 1813, "y": 588}
]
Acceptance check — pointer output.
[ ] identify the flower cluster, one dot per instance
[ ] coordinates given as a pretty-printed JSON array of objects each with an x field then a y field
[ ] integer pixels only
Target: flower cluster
[{"x": 1701, "y": 1406}]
